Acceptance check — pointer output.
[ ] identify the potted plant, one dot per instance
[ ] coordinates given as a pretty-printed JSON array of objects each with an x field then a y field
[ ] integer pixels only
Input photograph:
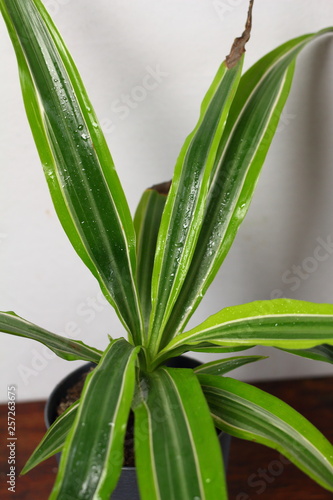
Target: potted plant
[{"x": 154, "y": 272}]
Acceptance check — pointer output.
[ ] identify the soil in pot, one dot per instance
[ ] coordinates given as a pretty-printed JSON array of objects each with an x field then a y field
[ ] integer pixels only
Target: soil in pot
[
  {"x": 73, "y": 393},
  {"x": 69, "y": 390}
]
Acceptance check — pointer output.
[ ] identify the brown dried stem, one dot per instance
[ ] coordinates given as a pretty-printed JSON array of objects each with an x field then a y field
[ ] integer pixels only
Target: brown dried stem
[{"x": 238, "y": 47}]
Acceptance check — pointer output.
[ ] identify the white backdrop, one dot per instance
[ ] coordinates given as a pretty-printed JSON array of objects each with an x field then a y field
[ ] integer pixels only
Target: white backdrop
[{"x": 181, "y": 44}]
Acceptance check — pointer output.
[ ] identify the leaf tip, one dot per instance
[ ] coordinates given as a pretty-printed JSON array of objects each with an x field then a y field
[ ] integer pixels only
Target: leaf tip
[
  {"x": 238, "y": 47},
  {"x": 162, "y": 188},
  {"x": 24, "y": 470}
]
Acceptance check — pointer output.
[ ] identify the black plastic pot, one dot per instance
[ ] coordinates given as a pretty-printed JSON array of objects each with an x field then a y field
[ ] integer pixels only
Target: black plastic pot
[{"x": 127, "y": 487}]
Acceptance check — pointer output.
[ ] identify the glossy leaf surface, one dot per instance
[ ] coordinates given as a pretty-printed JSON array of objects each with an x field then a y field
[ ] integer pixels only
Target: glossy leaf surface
[
  {"x": 63, "y": 347},
  {"x": 54, "y": 439},
  {"x": 201, "y": 347},
  {"x": 282, "y": 323},
  {"x": 173, "y": 431},
  {"x": 184, "y": 210},
  {"x": 222, "y": 366},
  {"x": 147, "y": 221},
  {"x": 83, "y": 183},
  {"x": 251, "y": 125},
  {"x": 92, "y": 456},
  {"x": 250, "y": 413}
]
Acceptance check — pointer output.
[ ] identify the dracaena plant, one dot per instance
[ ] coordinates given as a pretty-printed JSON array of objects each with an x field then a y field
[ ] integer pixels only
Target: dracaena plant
[{"x": 154, "y": 271}]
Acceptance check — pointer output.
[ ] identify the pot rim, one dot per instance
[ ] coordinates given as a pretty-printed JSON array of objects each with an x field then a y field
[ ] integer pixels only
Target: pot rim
[{"x": 72, "y": 377}]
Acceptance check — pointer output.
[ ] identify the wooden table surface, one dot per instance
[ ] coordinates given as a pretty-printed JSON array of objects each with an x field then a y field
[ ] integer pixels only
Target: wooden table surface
[{"x": 254, "y": 472}]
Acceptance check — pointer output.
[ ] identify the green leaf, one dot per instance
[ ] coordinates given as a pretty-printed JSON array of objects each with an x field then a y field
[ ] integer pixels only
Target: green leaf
[
  {"x": 147, "y": 221},
  {"x": 319, "y": 353},
  {"x": 92, "y": 456},
  {"x": 222, "y": 366},
  {"x": 206, "y": 347},
  {"x": 283, "y": 323},
  {"x": 173, "y": 431},
  {"x": 250, "y": 413},
  {"x": 250, "y": 128},
  {"x": 70, "y": 350},
  {"x": 184, "y": 209},
  {"x": 84, "y": 186},
  {"x": 202, "y": 347},
  {"x": 53, "y": 441}
]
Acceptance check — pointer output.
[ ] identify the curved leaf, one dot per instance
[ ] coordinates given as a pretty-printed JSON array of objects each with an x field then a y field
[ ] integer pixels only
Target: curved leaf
[
  {"x": 83, "y": 183},
  {"x": 207, "y": 347},
  {"x": 54, "y": 440},
  {"x": 222, "y": 366},
  {"x": 250, "y": 413},
  {"x": 319, "y": 353},
  {"x": 282, "y": 323},
  {"x": 92, "y": 456},
  {"x": 147, "y": 221},
  {"x": 70, "y": 350},
  {"x": 173, "y": 431},
  {"x": 184, "y": 209},
  {"x": 250, "y": 128}
]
